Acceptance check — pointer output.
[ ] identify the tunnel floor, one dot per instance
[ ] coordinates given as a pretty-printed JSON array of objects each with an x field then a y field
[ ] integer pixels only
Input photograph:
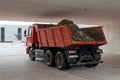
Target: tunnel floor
[{"x": 15, "y": 65}]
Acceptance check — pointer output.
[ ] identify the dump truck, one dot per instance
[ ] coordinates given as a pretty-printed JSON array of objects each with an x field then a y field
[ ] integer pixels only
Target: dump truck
[{"x": 64, "y": 44}]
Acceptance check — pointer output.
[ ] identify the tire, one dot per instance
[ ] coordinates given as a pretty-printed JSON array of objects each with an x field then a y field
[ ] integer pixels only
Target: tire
[
  {"x": 49, "y": 58},
  {"x": 97, "y": 57},
  {"x": 61, "y": 61},
  {"x": 91, "y": 65},
  {"x": 32, "y": 54}
]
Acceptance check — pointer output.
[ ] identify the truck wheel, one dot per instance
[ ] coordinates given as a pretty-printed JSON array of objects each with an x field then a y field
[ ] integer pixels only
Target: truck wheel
[
  {"x": 49, "y": 58},
  {"x": 61, "y": 62},
  {"x": 91, "y": 65},
  {"x": 31, "y": 54}
]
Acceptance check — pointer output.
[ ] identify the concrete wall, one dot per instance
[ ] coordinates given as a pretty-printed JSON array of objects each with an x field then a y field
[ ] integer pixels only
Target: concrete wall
[
  {"x": 0, "y": 34},
  {"x": 11, "y": 30},
  {"x": 112, "y": 32}
]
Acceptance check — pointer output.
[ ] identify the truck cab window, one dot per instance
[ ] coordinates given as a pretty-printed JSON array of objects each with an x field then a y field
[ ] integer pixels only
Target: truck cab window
[{"x": 29, "y": 31}]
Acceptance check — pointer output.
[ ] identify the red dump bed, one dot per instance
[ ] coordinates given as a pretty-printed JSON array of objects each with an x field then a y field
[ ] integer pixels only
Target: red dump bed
[{"x": 60, "y": 36}]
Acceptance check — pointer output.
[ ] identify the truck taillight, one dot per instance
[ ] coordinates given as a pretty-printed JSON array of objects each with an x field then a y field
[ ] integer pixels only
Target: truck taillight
[
  {"x": 99, "y": 51},
  {"x": 72, "y": 51}
]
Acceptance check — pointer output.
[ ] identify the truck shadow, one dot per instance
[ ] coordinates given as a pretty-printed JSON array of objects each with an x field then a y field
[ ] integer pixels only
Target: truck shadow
[{"x": 73, "y": 67}]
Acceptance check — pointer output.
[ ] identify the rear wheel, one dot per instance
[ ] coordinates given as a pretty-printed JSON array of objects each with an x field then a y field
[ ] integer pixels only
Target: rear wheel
[
  {"x": 61, "y": 62},
  {"x": 96, "y": 57},
  {"x": 31, "y": 54},
  {"x": 49, "y": 58}
]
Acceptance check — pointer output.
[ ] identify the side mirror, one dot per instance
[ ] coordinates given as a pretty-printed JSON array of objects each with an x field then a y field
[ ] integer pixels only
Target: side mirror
[{"x": 24, "y": 33}]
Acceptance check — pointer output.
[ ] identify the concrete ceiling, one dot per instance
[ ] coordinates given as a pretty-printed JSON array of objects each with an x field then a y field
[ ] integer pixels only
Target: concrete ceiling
[{"x": 80, "y": 11}]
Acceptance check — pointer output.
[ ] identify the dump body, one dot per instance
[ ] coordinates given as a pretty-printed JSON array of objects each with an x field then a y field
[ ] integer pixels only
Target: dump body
[{"x": 60, "y": 36}]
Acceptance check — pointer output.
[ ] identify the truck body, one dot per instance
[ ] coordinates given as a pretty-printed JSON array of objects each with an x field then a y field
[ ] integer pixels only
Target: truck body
[{"x": 55, "y": 44}]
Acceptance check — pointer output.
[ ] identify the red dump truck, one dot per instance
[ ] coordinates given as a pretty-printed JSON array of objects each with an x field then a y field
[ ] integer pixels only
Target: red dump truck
[{"x": 55, "y": 44}]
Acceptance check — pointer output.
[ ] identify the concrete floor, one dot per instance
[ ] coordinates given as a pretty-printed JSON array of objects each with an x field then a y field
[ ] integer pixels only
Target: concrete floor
[{"x": 15, "y": 65}]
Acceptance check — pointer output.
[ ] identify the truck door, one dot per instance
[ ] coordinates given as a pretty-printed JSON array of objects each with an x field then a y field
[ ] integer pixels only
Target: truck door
[{"x": 29, "y": 37}]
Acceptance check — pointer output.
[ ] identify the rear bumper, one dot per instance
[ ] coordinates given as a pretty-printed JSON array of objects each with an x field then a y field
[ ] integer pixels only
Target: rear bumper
[{"x": 93, "y": 62}]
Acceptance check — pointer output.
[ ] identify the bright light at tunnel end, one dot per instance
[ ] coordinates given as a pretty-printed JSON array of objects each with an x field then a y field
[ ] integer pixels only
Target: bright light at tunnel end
[{"x": 4, "y": 22}]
